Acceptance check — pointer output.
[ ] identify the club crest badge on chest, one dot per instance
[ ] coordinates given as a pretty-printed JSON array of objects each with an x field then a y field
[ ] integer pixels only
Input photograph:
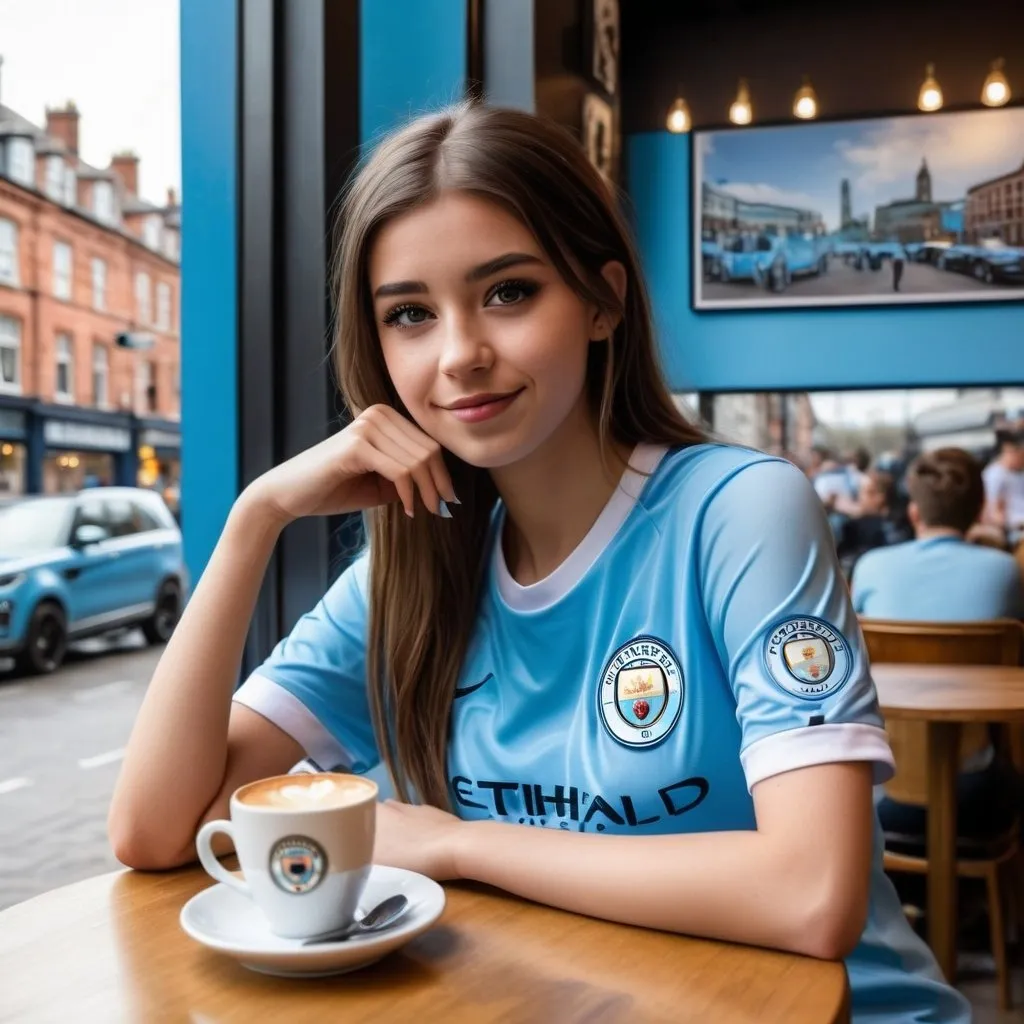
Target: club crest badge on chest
[{"x": 640, "y": 695}]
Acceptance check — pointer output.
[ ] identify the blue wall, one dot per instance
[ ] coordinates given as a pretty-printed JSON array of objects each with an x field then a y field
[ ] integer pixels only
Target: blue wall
[
  {"x": 209, "y": 328},
  {"x": 812, "y": 349},
  {"x": 412, "y": 58}
]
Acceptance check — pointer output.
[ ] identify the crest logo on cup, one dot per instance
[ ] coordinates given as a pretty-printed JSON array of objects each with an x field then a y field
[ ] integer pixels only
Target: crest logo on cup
[{"x": 297, "y": 864}]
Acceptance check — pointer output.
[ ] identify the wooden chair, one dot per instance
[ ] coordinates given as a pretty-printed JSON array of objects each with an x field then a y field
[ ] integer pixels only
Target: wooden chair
[{"x": 995, "y": 642}]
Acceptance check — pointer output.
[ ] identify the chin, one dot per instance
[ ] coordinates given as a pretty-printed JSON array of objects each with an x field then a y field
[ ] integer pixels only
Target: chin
[{"x": 490, "y": 453}]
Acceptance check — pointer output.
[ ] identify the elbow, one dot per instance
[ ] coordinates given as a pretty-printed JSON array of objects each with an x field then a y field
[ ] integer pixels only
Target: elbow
[
  {"x": 135, "y": 848},
  {"x": 830, "y": 928}
]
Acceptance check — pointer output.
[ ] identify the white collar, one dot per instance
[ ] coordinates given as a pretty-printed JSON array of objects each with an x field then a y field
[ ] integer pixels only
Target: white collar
[{"x": 546, "y": 592}]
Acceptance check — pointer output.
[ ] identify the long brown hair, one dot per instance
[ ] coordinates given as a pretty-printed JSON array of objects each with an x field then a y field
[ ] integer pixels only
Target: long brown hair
[{"x": 426, "y": 573}]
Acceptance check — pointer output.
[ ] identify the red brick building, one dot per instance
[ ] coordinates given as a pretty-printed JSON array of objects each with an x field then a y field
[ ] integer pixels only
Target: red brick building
[
  {"x": 995, "y": 209},
  {"x": 89, "y": 315}
]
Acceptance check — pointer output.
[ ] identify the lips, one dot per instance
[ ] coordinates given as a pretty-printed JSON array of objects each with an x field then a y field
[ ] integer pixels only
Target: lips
[{"x": 476, "y": 408}]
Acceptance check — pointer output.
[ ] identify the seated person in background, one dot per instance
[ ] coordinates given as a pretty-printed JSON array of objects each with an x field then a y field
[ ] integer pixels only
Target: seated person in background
[
  {"x": 872, "y": 524},
  {"x": 940, "y": 577},
  {"x": 1004, "y": 487},
  {"x": 835, "y": 486}
]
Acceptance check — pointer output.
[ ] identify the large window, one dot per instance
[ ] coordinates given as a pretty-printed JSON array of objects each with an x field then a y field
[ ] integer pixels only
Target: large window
[
  {"x": 55, "y": 177},
  {"x": 70, "y": 187},
  {"x": 10, "y": 354},
  {"x": 100, "y": 376},
  {"x": 152, "y": 228},
  {"x": 99, "y": 284},
  {"x": 143, "y": 299},
  {"x": 103, "y": 201},
  {"x": 145, "y": 387},
  {"x": 64, "y": 388},
  {"x": 21, "y": 161},
  {"x": 9, "y": 271},
  {"x": 62, "y": 266},
  {"x": 163, "y": 306}
]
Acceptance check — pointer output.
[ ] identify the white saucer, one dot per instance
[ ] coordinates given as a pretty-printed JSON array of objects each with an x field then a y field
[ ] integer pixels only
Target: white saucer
[{"x": 225, "y": 920}]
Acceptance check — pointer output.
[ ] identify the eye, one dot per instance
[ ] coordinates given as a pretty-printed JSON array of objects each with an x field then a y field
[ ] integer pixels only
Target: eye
[
  {"x": 405, "y": 316},
  {"x": 510, "y": 293}
]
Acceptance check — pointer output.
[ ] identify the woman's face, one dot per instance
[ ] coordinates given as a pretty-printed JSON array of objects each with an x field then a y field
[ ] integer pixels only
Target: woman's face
[{"x": 485, "y": 343}]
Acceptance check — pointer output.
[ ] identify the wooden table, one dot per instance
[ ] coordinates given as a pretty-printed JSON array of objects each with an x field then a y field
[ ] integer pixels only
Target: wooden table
[
  {"x": 946, "y": 697},
  {"x": 110, "y": 949}
]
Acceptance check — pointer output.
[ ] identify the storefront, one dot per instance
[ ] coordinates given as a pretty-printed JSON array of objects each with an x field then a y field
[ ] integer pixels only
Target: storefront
[
  {"x": 159, "y": 455},
  {"x": 80, "y": 453},
  {"x": 13, "y": 453}
]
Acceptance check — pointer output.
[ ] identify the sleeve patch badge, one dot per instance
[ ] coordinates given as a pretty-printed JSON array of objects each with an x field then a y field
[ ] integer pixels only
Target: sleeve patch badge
[
  {"x": 641, "y": 692},
  {"x": 807, "y": 658}
]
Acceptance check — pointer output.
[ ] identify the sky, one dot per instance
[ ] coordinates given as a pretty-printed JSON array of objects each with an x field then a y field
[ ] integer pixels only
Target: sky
[
  {"x": 803, "y": 165},
  {"x": 118, "y": 60}
]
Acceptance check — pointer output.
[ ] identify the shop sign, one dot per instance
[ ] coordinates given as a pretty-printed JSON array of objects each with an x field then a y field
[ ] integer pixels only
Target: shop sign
[
  {"x": 64, "y": 434},
  {"x": 160, "y": 439},
  {"x": 12, "y": 423}
]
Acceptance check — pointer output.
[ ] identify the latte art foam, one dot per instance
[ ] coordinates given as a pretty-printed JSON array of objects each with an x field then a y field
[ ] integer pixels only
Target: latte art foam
[{"x": 306, "y": 793}]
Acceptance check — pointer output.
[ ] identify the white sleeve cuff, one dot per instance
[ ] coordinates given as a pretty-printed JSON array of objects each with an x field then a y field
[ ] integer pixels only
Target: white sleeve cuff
[
  {"x": 818, "y": 744},
  {"x": 287, "y": 712}
]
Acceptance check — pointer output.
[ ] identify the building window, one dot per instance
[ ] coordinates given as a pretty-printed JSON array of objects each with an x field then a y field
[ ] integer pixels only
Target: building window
[
  {"x": 9, "y": 252},
  {"x": 100, "y": 376},
  {"x": 65, "y": 384},
  {"x": 70, "y": 187},
  {"x": 151, "y": 230},
  {"x": 171, "y": 246},
  {"x": 143, "y": 300},
  {"x": 99, "y": 284},
  {"x": 21, "y": 161},
  {"x": 163, "y": 306},
  {"x": 10, "y": 354},
  {"x": 103, "y": 201},
  {"x": 55, "y": 177},
  {"x": 145, "y": 387},
  {"x": 62, "y": 270}
]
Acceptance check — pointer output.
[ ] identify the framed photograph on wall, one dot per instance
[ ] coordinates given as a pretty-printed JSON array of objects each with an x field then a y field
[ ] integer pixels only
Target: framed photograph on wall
[
  {"x": 599, "y": 133},
  {"x": 879, "y": 211},
  {"x": 604, "y": 44}
]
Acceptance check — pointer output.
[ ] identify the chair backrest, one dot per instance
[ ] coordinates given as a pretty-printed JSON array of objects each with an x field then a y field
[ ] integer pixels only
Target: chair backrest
[{"x": 992, "y": 642}]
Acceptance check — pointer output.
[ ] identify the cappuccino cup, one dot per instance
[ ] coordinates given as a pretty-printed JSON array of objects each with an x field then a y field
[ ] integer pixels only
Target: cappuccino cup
[{"x": 305, "y": 847}]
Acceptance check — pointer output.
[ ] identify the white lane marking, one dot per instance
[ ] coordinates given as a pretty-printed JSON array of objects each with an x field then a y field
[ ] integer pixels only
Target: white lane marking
[
  {"x": 87, "y": 693},
  {"x": 14, "y": 688},
  {"x": 10, "y": 785},
  {"x": 100, "y": 759}
]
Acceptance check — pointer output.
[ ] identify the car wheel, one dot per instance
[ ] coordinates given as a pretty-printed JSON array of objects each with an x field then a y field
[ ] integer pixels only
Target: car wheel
[
  {"x": 46, "y": 641},
  {"x": 777, "y": 277},
  {"x": 160, "y": 625},
  {"x": 979, "y": 271}
]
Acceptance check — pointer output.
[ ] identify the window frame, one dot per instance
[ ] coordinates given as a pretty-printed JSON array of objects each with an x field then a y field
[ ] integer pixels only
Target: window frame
[
  {"x": 99, "y": 287},
  {"x": 65, "y": 359},
  {"x": 100, "y": 360},
  {"x": 14, "y": 278},
  {"x": 61, "y": 274},
  {"x": 143, "y": 310},
  {"x": 11, "y": 387}
]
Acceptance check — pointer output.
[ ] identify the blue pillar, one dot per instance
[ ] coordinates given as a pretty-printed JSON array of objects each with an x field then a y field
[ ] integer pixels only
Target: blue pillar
[
  {"x": 413, "y": 57},
  {"x": 209, "y": 413},
  {"x": 35, "y": 452}
]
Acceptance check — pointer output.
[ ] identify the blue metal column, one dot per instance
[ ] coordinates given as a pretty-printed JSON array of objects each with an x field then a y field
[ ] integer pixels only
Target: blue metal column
[{"x": 209, "y": 413}]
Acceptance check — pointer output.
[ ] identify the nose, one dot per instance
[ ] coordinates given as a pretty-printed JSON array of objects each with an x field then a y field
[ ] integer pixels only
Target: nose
[{"x": 464, "y": 347}]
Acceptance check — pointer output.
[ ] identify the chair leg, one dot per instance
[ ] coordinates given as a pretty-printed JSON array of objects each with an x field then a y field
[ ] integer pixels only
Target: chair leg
[{"x": 997, "y": 928}]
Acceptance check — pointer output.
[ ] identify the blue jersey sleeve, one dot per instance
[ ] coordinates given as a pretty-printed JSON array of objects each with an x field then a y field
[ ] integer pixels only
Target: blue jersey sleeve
[
  {"x": 314, "y": 685},
  {"x": 780, "y": 617}
]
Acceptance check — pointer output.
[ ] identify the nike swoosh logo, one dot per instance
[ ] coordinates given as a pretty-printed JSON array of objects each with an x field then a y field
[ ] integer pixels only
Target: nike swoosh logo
[{"x": 465, "y": 691}]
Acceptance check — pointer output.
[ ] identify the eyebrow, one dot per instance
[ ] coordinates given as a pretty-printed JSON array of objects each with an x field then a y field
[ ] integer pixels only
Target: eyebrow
[{"x": 484, "y": 270}]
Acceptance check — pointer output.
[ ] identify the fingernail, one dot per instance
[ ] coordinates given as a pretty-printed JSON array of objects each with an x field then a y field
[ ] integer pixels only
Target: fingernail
[
  {"x": 408, "y": 512},
  {"x": 443, "y": 510},
  {"x": 455, "y": 500}
]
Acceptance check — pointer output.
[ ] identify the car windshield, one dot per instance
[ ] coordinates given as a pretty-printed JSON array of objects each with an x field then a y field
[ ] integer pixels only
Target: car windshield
[{"x": 31, "y": 527}]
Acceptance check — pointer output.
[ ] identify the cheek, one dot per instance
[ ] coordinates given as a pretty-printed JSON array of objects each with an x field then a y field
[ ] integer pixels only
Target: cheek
[{"x": 411, "y": 373}]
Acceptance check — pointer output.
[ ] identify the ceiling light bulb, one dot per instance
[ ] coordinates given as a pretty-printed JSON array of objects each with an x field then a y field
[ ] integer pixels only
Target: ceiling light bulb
[
  {"x": 805, "y": 102},
  {"x": 996, "y": 90},
  {"x": 678, "y": 120},
  {"x": 930, "y": 96},
  {"x": 741, "y": 111}
]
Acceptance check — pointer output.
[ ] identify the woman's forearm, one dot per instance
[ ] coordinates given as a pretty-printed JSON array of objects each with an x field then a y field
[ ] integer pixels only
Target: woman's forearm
[
  {"x": 175, "y": 758},
  {"x": 736, "y": 886}
]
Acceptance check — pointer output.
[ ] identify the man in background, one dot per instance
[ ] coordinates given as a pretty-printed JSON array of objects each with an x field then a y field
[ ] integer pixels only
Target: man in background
[{"x": 1004, "y": 488}]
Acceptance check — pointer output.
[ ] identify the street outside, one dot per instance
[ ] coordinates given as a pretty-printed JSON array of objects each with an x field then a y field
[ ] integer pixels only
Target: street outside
[
  {"x": 62, "y": 738},
  {"x": 843, "y": 280}
]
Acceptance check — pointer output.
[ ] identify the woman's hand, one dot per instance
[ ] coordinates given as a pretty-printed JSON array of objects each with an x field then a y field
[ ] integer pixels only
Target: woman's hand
[
  {"x": 379, "y": 458},
  {"x": 417, "y": 838}
]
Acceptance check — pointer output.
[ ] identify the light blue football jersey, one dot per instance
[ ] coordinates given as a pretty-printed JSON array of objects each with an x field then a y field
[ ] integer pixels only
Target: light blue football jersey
[{"x": 698, "y": 640}]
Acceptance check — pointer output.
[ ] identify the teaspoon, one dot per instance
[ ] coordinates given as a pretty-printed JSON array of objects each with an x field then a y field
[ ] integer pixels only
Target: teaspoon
[{"x": 383, "y": 915}]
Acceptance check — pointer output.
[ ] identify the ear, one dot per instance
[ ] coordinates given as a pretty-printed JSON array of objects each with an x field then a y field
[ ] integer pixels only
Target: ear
[{"x": 603, "y": 324}]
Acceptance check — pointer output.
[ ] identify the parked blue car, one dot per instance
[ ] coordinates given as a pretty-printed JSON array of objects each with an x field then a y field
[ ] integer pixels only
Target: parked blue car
[
  {"x": 73, "y": 566},
  {"x": 791, "y": 256}
]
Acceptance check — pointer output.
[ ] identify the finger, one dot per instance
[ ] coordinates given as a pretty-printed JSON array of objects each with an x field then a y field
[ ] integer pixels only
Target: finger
[
  {"x": 393, "y": 471},
  {"x": 418, "y": 464},
  {"x": 405, "y": 432}
]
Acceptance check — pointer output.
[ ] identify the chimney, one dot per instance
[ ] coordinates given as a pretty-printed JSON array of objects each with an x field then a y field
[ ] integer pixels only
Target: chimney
[
  {"x": 126, "y": 165},
  {"x": 63, "y": 125},
  {"x": 172, "y": 197}
]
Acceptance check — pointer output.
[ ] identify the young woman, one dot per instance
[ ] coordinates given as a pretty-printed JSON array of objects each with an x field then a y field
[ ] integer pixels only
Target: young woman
[{"x": 580, "y": 636}]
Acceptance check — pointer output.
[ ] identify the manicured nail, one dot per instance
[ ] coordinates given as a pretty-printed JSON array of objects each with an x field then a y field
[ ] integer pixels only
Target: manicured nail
[
  {"x": 443, "y": 510},
  {"x": 455, "y": 500},
  {"x": 408, "y": 512}
]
